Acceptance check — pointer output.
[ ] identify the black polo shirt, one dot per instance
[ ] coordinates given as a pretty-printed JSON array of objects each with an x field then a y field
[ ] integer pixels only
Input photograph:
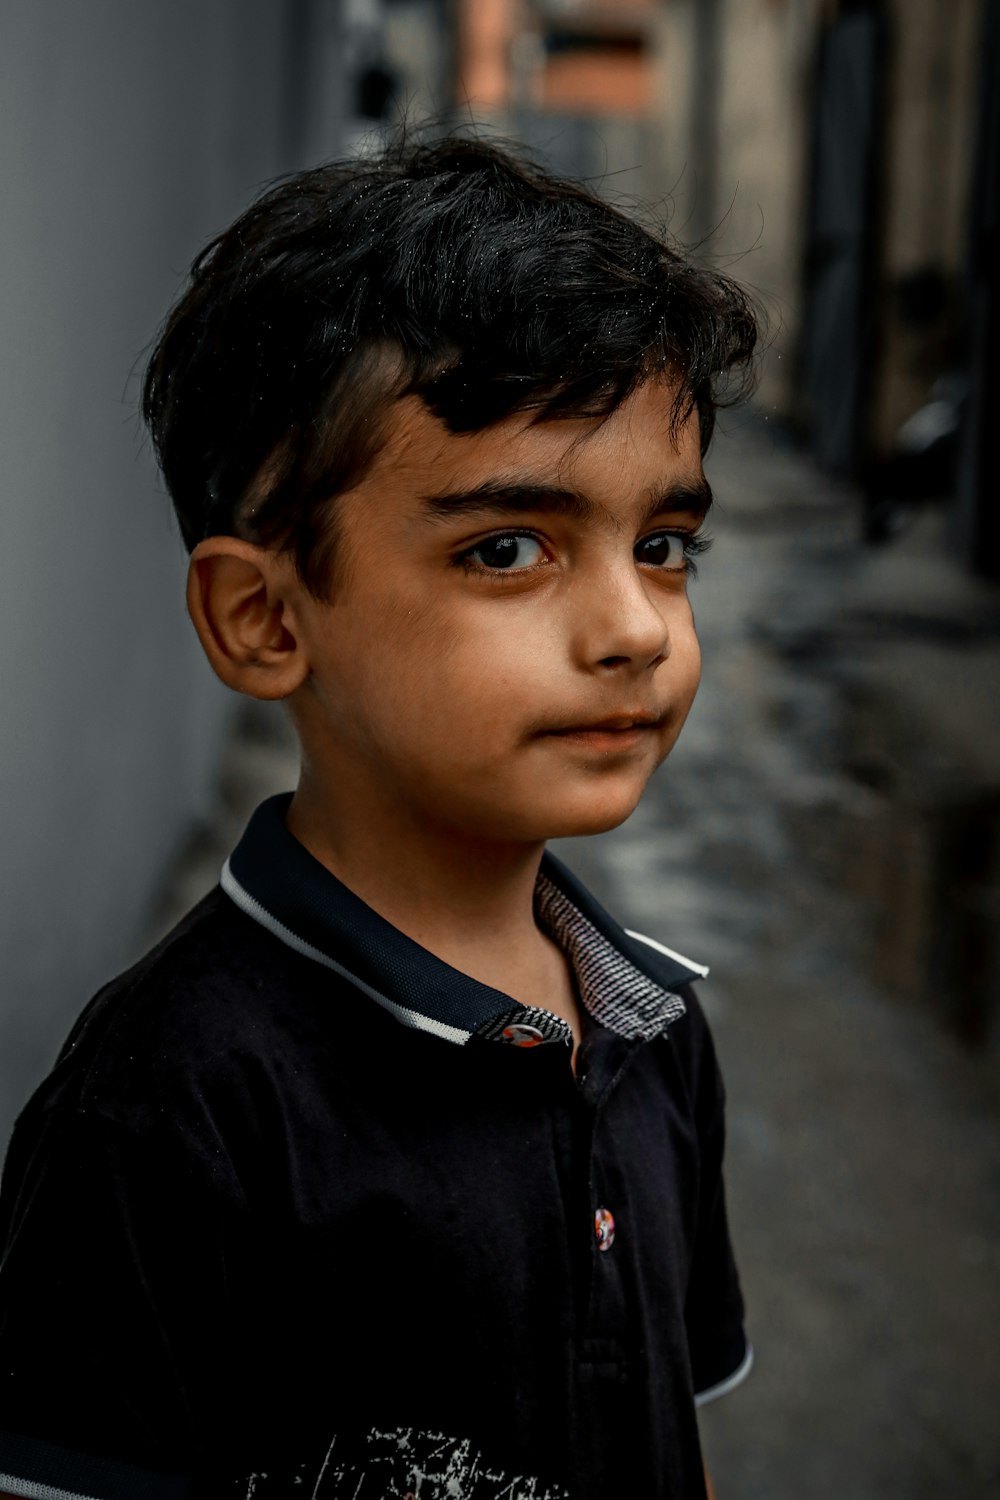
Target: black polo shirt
[{"x": 302, "y": 1210}]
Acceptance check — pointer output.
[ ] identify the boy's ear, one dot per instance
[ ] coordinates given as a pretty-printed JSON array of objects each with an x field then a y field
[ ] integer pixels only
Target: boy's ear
[{"x": 241, "y": 599}]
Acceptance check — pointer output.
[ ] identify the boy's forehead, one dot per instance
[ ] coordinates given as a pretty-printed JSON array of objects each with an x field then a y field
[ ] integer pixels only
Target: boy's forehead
[{"x": 636, "y": 447}]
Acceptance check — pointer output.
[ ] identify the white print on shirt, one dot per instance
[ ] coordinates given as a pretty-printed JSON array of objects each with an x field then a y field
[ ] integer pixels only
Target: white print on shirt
[{"x": 406, "y": 1464}]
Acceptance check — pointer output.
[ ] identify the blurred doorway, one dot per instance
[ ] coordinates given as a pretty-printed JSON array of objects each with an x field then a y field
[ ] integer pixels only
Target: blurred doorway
[{"x": 841, "y": 234}]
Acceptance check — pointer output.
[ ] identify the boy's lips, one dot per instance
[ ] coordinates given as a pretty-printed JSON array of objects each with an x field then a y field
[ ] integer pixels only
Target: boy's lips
[{"x": 614, "y": 725}]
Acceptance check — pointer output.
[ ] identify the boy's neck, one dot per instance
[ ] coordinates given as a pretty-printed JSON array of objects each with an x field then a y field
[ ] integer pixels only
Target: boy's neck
[{"x": 470, "y": 904}]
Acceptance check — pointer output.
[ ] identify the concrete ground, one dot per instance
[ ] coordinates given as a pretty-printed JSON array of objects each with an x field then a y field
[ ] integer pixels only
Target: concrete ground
[{"x": 798, "y": 842}]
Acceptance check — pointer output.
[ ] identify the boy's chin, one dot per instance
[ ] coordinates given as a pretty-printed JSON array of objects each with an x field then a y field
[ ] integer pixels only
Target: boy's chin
[
  {"x": 599, "y": 816},
  {"x": 567, "y": 812}
]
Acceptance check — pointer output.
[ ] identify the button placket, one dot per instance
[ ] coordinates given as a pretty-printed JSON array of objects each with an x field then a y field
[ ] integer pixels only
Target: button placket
[{"x": 609, "y": 1058}]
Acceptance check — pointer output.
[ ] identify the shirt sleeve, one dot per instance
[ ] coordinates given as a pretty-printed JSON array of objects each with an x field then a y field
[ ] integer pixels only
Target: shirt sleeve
[
  {"x": 113, "y": 1344},
  {"x": 720, "y": 1353}
]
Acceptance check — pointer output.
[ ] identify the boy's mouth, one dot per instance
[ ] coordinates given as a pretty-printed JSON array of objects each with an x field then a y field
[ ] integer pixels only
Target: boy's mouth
[
  {"x": 613, "y": 724},
  {"x": 616, "y": 732}
]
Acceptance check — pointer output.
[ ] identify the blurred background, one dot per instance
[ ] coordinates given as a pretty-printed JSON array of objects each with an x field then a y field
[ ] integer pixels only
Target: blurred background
[{"x": 825, "y": 835}]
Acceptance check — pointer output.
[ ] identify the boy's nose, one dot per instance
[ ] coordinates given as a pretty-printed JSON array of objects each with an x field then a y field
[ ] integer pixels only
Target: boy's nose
[{"x": 621, "y": 626}]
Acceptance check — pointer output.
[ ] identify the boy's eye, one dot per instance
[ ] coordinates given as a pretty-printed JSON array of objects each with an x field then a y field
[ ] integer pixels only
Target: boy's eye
[
  {"x": 506, "y": 553},
  {"x": 673, "y": 551}
]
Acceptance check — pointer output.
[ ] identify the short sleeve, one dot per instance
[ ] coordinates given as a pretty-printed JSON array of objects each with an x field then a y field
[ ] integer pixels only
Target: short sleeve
[
  {"x": 113, "y": 1350},
  {"x": 720, "y": 1353}
]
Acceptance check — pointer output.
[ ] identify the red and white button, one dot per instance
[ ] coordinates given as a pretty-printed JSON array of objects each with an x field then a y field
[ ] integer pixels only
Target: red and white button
[
  {"x": 519, "y": 1035},
  {"x": 604, "y": 1228}
]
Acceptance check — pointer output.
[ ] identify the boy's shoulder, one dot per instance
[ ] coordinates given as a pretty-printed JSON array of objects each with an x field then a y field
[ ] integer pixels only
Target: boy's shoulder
[{"x": 197, "y": 1006}]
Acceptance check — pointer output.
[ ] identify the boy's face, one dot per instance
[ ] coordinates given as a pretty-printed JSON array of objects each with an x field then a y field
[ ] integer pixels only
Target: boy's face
[{"x": 509, "y": 651}]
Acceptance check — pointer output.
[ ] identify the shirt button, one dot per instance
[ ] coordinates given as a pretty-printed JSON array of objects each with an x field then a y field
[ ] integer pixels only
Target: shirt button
[
  {"x": 522, "y": 1036},
  {"x": 604, "y": 1228}
]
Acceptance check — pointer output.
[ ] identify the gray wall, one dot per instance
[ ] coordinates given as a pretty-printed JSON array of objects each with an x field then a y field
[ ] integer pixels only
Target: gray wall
[{"x": 128, "y": 134}]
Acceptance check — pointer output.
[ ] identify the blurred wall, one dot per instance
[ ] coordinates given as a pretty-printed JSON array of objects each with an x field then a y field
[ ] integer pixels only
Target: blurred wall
[
  {"x": 128, "y": 135},
  {"x": 823, "y": 151},
  {"x": 733, "y": 141}
]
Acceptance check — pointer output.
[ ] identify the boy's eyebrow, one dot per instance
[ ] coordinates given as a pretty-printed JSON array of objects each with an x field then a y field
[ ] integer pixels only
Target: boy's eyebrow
[{"x": 691, "y": 495}]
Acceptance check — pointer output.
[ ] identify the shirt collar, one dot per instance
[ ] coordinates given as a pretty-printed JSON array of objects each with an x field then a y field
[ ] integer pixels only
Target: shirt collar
[{"x": 628, "y": 988}]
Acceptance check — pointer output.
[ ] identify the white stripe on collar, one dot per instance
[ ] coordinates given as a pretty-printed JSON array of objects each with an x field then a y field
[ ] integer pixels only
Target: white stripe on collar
[
  {"x": 413, "y": 1018},
  {"x": 641, "y": 937}
]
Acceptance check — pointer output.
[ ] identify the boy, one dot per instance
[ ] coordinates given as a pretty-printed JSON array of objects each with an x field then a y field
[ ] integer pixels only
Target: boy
[{"x": 395, "y": 1169}]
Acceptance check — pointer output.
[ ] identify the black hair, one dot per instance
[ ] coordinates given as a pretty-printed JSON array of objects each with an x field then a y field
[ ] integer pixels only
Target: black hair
[{"x": 457, "y": 270}]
